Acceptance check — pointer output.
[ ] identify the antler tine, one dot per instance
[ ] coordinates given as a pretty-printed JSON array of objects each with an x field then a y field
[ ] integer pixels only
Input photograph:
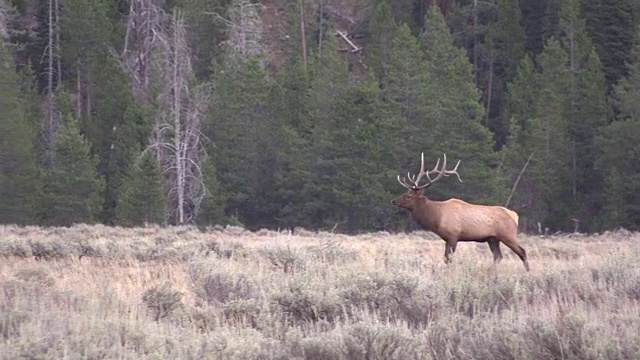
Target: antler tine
[
  {"x": 435, "y": 168},
  {"x": 421, "y": 173},
  {"x": 442, "y": 171},
  {"x": 454, "y": 171},
  {"x": 404, "y": 183}
]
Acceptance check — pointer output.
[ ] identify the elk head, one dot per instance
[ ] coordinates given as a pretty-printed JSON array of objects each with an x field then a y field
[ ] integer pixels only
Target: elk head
[{"x": 415, "y": 191}]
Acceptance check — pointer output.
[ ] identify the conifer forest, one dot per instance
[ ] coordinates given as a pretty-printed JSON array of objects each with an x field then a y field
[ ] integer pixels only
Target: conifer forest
[{"x": 280, "y": 113}]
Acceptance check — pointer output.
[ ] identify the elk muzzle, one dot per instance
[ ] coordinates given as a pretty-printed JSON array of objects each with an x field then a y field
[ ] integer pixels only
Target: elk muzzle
[{"x": 397, "y": 202}]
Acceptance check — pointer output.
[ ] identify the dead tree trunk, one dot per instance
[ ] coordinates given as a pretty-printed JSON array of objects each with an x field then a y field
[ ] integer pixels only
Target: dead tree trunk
[
  {"x": 303, "y": 34},
  {"x": 178, "y": 126},
  {"x": 145, "y": 21},
  {"x": 50, "y": 122},
  {"x": 156, "y": 55}
]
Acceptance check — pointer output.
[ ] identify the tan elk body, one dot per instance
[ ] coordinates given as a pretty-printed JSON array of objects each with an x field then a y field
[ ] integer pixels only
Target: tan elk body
[{"x": 455, "y": 220}]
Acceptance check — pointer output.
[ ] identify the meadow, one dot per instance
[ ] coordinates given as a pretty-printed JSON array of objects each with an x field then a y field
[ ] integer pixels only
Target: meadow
[{"x": 96, "y": 292}]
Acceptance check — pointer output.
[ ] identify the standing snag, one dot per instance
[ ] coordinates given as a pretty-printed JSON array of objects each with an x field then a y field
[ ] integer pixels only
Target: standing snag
[{"x": 456, "y": 220}]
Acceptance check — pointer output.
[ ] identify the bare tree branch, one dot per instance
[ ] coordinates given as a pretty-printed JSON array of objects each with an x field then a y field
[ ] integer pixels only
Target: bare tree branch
[
  {"x": 244, "y": 27},
  {"x": 157, "y": 57},
  {"x": 515, "y": 184}
]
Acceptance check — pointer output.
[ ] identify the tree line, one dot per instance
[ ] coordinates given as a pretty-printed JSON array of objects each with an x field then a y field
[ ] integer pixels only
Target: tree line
[{"x": 181, "y": 112}]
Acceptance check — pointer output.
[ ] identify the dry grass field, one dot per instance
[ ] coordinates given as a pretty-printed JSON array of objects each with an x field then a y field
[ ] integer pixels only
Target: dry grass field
[{"x": 95, "y": 292}]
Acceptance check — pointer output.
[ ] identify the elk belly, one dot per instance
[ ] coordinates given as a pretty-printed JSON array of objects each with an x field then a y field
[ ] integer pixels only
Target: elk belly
[{"x": 477, "y": 226}]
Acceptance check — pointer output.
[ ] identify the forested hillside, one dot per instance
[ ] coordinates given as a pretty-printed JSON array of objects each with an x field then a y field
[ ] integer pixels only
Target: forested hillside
[{"x": 284, "y": 113}]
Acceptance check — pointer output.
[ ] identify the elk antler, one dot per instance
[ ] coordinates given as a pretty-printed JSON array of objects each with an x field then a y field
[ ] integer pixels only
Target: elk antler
[{"x": 441, "y": 172}]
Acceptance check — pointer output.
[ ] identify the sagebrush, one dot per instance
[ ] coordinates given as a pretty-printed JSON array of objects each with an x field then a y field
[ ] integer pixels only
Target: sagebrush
[{"x": 149, "y": 293}]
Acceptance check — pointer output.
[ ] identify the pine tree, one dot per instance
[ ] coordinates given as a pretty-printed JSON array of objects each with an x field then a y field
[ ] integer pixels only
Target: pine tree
[
  {"x": 72, "y": 188},
  {"x": 525, "y": 140},
  {"x": 587, "y": 110},
  {"x": 338, "y": 187},
  {"x": 494, "y": 39},
  {"x": 248, "y": 137},
  {"x": 405, "y": 94},
  {"x": 540, "y": 108},
  {"x": 540, "y": 21},
  {"x": 610, "y": 24},
  {"x": 104, "y": 104},
  {"x": 18, "y": 163},
  {"x": 626, "y": 95},
  {"x": 382, "y": 28},
  {"x": 454, "y": 104},
  {"x": 142, "y": 199},
  {"x": 619, "y": 148},
  {"x": 617, "y": 144},
  {"x": 368, "y": 169},
  {"x": 128, "y": 140},
  {"x": 509, "y": 38},
  {"x": 213, "y": 205}
]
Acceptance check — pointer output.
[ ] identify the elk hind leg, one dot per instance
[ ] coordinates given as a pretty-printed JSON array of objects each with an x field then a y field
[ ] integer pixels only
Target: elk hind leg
[
  {"x": 519, "y": 250},
  {"x": 494, "y": 245}
]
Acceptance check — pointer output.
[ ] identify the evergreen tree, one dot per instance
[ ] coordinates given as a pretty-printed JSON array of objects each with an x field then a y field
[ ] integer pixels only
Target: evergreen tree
[
  {"x": 610, "y": 24},
  {"x": 213, "y": 205},
  {"x": 626, "y": 95},
  {"x": 509, "y": 39},
  {"x": 248, "y": 138},
  {"x": 555, "y": 158},
  {"x": 71, "y": 191},
  {"x": 382, "y": 28},
  {"x": 341, "y": 151},
  {"x": 526, "y": 139},
  {"x": 586, "y": 111},
  {"x": 522, "y": 91},
  {"x": 129, "y": 138},
  {"x": 494, "y": 39},
  {"x": 142, "y": 199},
  {"x": 540, "y": 21},
  {"x": 18, "y": 163},
  {"x": 618, "y": 146},
  {"x": 109, "y": 116},
  {"x": 406, "y": 93},
  {"x": 455, "y": 106},
  {"x": 539, "y": 108}
]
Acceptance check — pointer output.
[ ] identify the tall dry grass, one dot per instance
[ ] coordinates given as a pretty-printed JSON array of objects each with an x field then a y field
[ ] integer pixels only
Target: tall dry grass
[{"x": 91, "y": 292}]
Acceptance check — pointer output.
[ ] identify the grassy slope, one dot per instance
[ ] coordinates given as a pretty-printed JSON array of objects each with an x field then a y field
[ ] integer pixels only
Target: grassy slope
[{"x": 233, "y": 294}]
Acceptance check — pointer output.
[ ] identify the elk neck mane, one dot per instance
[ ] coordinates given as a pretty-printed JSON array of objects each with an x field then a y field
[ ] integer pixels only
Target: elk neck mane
[{"x": 428, "y": 212}]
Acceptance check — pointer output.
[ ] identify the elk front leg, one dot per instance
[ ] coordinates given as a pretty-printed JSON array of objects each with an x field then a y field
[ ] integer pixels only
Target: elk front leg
[{"x": 449, "y": 249}]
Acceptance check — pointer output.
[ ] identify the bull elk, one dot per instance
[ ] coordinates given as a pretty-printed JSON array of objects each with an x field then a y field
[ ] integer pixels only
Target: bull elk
[{"x": 455, "y": 220}]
